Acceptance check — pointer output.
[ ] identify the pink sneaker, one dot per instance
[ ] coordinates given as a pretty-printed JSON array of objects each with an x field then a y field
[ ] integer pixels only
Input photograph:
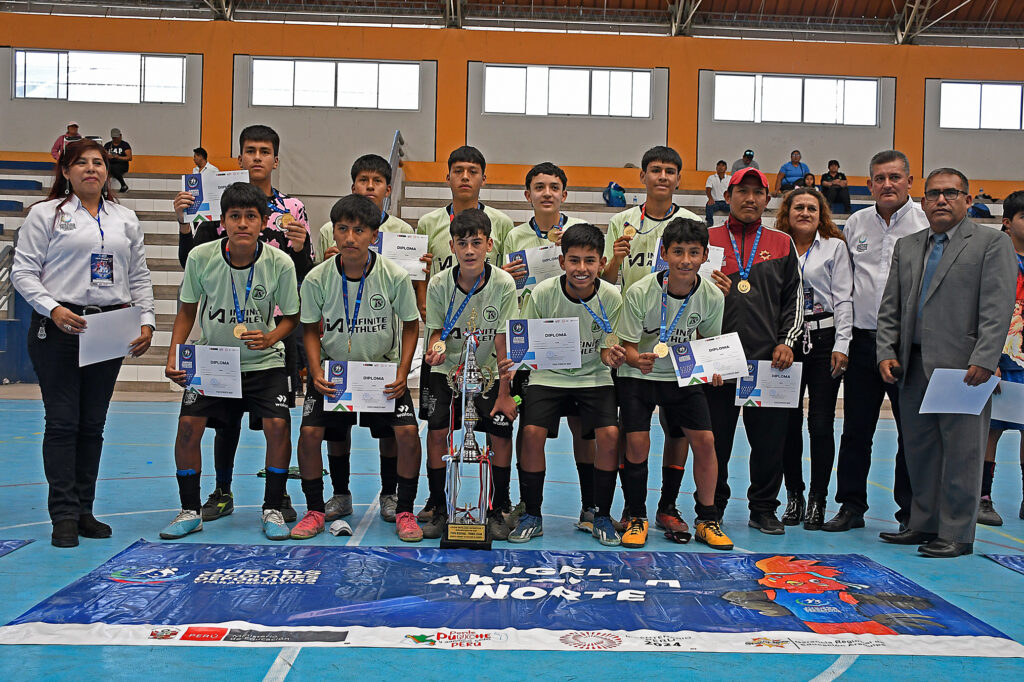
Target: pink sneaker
[
  {"x": 311, "y": 525},
  {"x": 407, "y": 528}
]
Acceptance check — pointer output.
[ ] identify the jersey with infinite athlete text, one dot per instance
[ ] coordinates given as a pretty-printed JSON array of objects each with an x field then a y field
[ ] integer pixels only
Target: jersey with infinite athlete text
[
  {"x": 641, "y": 248},
  {"x": 640, "y": 320},
  {"x": 209, "y": 274},
  {"x": 437, "y": 225},
  {"x": 387, "y": 295},
  {"x": 326, "y": 240},
  {"x": 494, "y": 302},
  {"x": 551, "y": 300}
]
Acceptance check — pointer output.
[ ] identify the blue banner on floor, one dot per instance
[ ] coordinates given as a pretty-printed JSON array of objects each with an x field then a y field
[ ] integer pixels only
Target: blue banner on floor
[
  {"x": 1014, "y": 562},
  {"x": 8, "y": 546},
  {"x": 504, "y": 599}
]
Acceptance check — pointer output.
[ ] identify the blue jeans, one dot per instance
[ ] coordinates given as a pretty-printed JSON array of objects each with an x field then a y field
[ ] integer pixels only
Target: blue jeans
[{"x": 709, "y": 211}]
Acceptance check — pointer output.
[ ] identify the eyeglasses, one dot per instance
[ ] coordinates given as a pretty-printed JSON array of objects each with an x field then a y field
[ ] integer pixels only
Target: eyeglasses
[{"x": 950, "y": 194}]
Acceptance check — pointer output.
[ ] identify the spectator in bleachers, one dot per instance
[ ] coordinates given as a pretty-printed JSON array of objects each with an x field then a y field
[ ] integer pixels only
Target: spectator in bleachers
[
  {"x": 70, "y": 136},
  {"x": 120, "y": 156},
  {"x": 807, "y": 181},
  {"x": 835, "y": 186},
  {"x": 791, "y": 173},
  {"x": 715, "y": 189},
  {"x": 203, "y": 166},
  {"x": 746, "y": 160}
]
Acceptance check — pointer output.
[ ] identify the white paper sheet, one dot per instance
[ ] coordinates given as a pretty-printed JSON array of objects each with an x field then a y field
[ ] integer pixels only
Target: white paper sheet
[
  {"x": 1008, "y": 404},
  {"x": 213, "y": 371},
  {"x": 359, "y": 386},
  {"x": 108, "y": 335},
  {"x": 541, "y": 264},
  {"x": 696, "y": 362},
  {"x": 404, "y": 250},
  {"x": 765, "y": 386},
  {"x": 716, "y": 256},
  {"x": 545, "y": 344},
  {"x": 206, "y": 189},
  {"x": 948, "y": 394}
]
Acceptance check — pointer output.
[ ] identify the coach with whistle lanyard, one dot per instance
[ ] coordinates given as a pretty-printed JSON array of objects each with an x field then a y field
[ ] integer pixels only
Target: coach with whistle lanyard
[
  {"x": 79, "y": 252},
  {"x": 765, "y": 307}
]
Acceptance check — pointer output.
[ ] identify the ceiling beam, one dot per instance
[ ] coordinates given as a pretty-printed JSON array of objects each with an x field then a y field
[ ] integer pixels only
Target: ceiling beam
[{"x": 682, "y": 16}]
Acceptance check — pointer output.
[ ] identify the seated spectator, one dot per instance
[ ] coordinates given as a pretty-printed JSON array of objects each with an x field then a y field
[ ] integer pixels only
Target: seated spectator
[
  {"x": 203, "y": 166},
  {"x": 715, "y": 189},
  {"x": 120, "y": 155},
  {"x": 746, "y": 160},
  {"x": 835, "y": 187},
  {"x": 70, "y": 136},
  {"x": 806, "y": 181},
  {"x": 791, "y": 174}
]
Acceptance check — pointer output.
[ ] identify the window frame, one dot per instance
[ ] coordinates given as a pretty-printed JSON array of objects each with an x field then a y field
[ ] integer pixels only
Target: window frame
[
  {"x": 981, "y": 104},
  {"x": 757, "y": 116},
  {"x": 334, "y": 83}
]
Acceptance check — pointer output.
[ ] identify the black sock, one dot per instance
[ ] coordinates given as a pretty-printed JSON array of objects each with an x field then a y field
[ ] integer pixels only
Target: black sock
[
  {"x": 406, "y": 493},
  {"x": 313, "y": 489},
  {"x": 501, "y": 478},
  {"x": 671, "y": 479},
  {"x": 273, "y": 492},
  {"x": 705, "y": 513},
  {"x": 604, "y": 490},
  {"x": 986, "y": 479},
  {"x": 225, "y": 444},
  {"x": 388, "y": 475},
  {"x": 625, "y": 493},
  {"x": 188, "y": 489},
  {"x": 435, "y": 482},
  {"x": 586, "y": 475},
  {"x": 531, "y": 487},
  {"x": 339, "y": 468},
  {"x": 636, "y": 483}
]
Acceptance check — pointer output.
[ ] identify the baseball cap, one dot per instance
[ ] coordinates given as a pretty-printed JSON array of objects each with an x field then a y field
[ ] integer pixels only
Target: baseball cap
[
  {"x": 72, "y": 123},
  {"x": 738, "y": 176},
  {"x": 749, "y": 152},
  {"x": 115, "y": 132}
]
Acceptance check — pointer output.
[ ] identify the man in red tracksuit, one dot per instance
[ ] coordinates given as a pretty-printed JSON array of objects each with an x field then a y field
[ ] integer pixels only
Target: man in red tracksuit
[{"x": 765, "y": 307}]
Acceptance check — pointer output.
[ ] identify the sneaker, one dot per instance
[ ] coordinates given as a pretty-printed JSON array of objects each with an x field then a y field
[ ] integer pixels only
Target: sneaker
[
  {"x": 218, "y": 504},
  {"x": 529, "y": 527},
  {"x": 513, "y": 514},
  {"x": 1021, "y": 512},
  {"x": 710, "y": 533},
  {"x": 766, "y": 522},
  {"x": 586, "y": 522},
  {"x": 987, "y": 515},
  {"x": 426, "y": 514},
  {"x": 274, "y": 526},
  {"x": 311, "y": 525},
  {"x": 671, "y": 521},
  {"x": 338, "y": 506},
  {"x": 604, "y": 531},
  {"x": 433, "y": 528},
  {"x": 407, "y": 528},
  {"x": 623, "y": 522},
  {"x": 636, "y": 533},
  {"x": 388, "y": 506},
  {"x": 497, "y": 529},
  {"x": 187, "y": 521},
  {"x": 288, "y": 512}
]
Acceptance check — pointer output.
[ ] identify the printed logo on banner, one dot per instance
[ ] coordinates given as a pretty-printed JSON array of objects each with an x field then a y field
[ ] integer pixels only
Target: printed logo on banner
[
  {"x": 422, "y": 639},
  {"x": 148, "y": 576},
  {"x": 237, "y": 635},
  {"x": 767, "y": 642},
  {"x": 203, "y": 634},
  {"x": 164, "y": 633},
  {"x": 591, "y": 640},
  {"x": 458, "y": 639}
]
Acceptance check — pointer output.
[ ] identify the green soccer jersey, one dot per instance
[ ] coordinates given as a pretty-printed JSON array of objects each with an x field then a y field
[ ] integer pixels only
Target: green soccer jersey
[
  {"x": 493, "y": 303},
  {"x": 640, "y": 320},
  {"x": 209, "y": 274},
  {"x": 641, "y": 248},
  {"x": 387, "y": 299},
  {"x": 551, "y": 300},
  {"x": 437, "y": 225},
  {"x": 326, "y": 240}
]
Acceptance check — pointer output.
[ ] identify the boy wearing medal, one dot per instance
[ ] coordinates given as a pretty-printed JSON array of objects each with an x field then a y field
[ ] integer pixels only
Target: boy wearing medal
[
  {"x": 766, "y": 309},
  {"x": 242, "y": 281},
  {"x": 471, "y": 297},
  {"x": 585, "y": 395},
  {"x": 355, "y": 298},
  {"x": 661, "y": 310}
]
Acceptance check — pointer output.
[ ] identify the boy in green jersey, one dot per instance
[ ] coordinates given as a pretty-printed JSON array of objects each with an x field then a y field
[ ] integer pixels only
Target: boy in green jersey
[
  {"x": 243, "y": 280},
  {"x": 659, "y": 311},
  {"x": 471, "y": 297},
  {"x": 587, "y": 393},
  {"x": 350, "y": 303}
]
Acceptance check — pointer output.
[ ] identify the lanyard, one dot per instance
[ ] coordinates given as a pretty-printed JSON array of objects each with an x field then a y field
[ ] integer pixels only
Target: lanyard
[
  {"x": 451, "y": 210},
  {"x": 561, "y": 221},
  {"x": 643, "y": 216},
  {"x": 449, "y": 321},
  {"x": 99, "y": 224},
  {"x": 272, "y": 202},
  {"x": 359, "y": 296},
  {"x": 602, "y": 321},
  {"x": 239, "y": 318},
  {"x": 1020, "y": 263},
  {"x": 665, "y": 332},
  {"x": 803, "y": 259},
  {"x": 383, "y": 218},
  {"x": 745, "y": 272}
]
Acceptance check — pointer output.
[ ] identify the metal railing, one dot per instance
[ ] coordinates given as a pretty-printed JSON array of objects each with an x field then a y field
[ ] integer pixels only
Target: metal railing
[
  {"x": 397, "y": 174},
  {"x": 6, "y": 287}
]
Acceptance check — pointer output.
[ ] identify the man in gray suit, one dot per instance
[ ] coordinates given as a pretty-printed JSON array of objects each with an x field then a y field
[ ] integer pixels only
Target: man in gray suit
[{"x": 947, "y": 303}]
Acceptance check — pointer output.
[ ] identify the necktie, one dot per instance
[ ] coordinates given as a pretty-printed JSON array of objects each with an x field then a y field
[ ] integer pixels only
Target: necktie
[{"x": 938, "y": 245}]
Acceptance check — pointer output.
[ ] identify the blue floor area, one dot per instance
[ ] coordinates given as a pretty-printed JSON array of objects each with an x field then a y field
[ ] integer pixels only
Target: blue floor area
[{"x": 137, "y": 495}]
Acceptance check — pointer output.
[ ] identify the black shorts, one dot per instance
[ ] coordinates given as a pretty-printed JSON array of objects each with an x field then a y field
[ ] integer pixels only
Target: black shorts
[
  {"x": 424, "y": 388},
  {"x": 684, "y": 407},
  {"x": 264, "y": 395},
  {"x": 595, "y": 406},
  {"x": 337, "y": 425},
  {"x": 439, "y": 408}
]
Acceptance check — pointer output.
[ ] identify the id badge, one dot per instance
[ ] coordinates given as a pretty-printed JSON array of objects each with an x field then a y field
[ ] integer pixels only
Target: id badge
[
  {"x": 101, "y": 270},
  {"x": 808, "y": 298}
]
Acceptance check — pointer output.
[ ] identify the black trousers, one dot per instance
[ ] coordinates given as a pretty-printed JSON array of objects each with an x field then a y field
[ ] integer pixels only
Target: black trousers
[
  {"x": 75, "y": 400},
  {"x": 816, "y": 380},
  {"x": 118, "y": 169},
  {"x": 837, "y": 195},
  {"x": 862, "y": 399},
  {"x": 766, "y": 433}
]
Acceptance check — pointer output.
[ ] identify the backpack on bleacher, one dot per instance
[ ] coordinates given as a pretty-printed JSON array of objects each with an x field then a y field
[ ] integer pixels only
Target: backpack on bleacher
[
  {"x": 614, "y": 195},
  {"x": 979, "y": 210}
]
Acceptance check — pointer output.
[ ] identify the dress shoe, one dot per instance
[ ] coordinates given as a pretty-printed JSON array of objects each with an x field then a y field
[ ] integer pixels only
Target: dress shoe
[
  {"x": 987, "y": 515},
  {"x": 90, "y": 527},
  {"x": 815, "y": 516},
  {"x": 944, "y": 549},
  {"x": 65, "y": 533},
  {"x": 1021, "y": 512},
  {"x": 907, "y": 537},
  {"x": 843, "y": 521},
  {"x": 795, "y": 506},
  {"x": 766, "y": 522}
]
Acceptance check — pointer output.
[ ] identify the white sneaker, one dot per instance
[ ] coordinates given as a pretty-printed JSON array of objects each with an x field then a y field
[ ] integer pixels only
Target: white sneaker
[
  {"x": 187, "y": 521},
  {"x": 274, "y": 526},
  {"x": 338, "y": 506}
]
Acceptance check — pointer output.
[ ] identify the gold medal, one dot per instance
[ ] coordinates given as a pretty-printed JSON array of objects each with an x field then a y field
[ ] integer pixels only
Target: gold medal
[
  {"x": 287, "y": 220},
  {"x": 239, "y": 330},
  {"x": 661, "y": 349},
  {"x": 438, "y": 347},
  {"x": 743, "y": 287},
  {"x": 554, "y": 234},
  {"x": 629, "y": 232},
  {"x": 611, "y": 340}
]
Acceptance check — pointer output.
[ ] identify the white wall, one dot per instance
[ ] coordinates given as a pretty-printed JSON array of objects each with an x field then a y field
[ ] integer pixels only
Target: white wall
[
  {"x": 565, "y": 140},
  {"x": 31, "y": 125},
  {"x": 772, "y": 143}
]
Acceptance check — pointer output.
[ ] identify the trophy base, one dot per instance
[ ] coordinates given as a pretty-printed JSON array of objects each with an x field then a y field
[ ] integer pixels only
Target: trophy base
[{"x": 465, "y": 536}]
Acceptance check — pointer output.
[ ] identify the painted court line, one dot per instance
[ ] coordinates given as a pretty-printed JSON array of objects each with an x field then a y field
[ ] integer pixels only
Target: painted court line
[{"x": 841, "y": 665}]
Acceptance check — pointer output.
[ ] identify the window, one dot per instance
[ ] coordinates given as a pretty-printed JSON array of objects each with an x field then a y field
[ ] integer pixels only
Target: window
[
  {"x": 99, "y": 76},
  {"x": 556, "y": 91},
  {"x": 795, "y": 99},
  {"x": 348, "y": 85},
  {"x": 976, "y": 106}
]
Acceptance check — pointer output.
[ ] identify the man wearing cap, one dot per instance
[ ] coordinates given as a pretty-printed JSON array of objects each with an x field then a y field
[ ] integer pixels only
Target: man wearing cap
[
  {"x": 747, "y": 161},
  {"x": 765, "y": 307},
  {"x": 70, "y": 136},
  {"x": 120, "y": 154}
]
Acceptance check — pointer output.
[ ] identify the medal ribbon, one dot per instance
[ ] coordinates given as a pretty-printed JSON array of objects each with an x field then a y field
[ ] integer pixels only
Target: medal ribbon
[
  {"x": 451, "y": 210},
  {"x": 602, "y": 322},
  {"x": 449, "y": 321},
  {"x": 561, "y": 221},
  {"x": 1020, "y": 264},
  {"x": 643, "y": 216},
  {"x": 665, "y": 332},
  {"x": 272, "y": 202},
  {"x": 745, "y": 272},
  {"x": 239, "y": 317},
  {"x": 359, "y": 296}
]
